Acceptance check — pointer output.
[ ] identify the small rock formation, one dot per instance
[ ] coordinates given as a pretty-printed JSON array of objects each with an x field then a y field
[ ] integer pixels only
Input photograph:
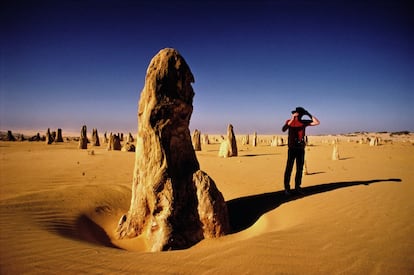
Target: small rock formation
[
  {"x": 174, "y": 204},
  {"x": 245, "y": 140},
  {"x": 49, "y": 137},
  {"x": 59, "y": 137},
  {"x": 335, "y": 153},
  {"x": 105, "y": 138},
  {"x": 10, "y": 136},
  {"x": 130, "y": 138},
  {"x": 205, "y": 139},
  {"x": 374, "y": 141},
  {"x": 83, "y": 140},
  {"x": 254, "y": 142},
  {"x": 21, "y": 138},
  {"x": 95, "y": 137},
  {"x": 35, "y": 138},
  {"x": 128, "y": 147},
  {"x": 280, "y": 141},
  {"x": 273, "y": 143},
  {"x": 197, "y": 140},
  {"x": 228, "y": 147},
  {"x": 114, "y": 143}
]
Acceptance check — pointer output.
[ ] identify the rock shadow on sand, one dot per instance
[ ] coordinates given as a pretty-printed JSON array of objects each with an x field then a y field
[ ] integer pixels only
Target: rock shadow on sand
[{"x": 245, "y": 211}]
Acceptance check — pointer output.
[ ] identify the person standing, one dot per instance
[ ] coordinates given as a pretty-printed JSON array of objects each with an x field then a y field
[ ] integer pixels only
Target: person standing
[{"x": 296, "y": 146}]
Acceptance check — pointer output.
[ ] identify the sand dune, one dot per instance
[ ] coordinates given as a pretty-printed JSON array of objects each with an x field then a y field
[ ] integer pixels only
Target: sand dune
[{"x": 60, "y": 206}]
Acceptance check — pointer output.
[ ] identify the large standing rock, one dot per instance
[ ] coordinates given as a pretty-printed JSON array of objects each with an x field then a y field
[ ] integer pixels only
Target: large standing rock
[
  {"x": 95, "y": 137},
  {"x": 174, "y": 204},
  {"x": 83, "y": 140}
]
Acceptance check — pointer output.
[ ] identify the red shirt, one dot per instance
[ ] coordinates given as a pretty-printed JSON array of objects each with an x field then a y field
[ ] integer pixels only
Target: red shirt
[{"x": 296, "y": 134}]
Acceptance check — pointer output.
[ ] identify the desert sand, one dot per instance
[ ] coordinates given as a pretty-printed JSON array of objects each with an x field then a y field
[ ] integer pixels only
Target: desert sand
[{"x": 59, "y": 208}]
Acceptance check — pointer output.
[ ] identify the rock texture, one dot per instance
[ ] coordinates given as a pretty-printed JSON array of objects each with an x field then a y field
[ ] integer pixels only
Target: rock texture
[
  {"x": 174, "y": 204},
  {"x": 83, "y": 140}
]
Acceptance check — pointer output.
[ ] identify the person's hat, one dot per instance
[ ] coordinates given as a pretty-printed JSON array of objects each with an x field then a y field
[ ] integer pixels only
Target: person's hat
[{"x": 299, "y": 110}]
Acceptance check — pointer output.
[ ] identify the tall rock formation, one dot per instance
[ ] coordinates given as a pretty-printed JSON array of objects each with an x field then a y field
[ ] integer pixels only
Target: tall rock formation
[
  {"x": 174, "y": 204},
  {"x": 83, "y": 140},
  {"x": 49, "y": 137},
  {"x": 95, "y": 137},
  {"x": 197, "y": 140},
  {"x": 59, "y": 137}
]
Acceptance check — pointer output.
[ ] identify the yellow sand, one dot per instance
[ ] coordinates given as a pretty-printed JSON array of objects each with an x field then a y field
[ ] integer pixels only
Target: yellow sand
[{"x": 60, "y": 205}]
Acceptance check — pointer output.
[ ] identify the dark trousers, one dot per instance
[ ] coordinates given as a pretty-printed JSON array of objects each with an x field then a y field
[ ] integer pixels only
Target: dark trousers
[{"x": 297, "y": 154}]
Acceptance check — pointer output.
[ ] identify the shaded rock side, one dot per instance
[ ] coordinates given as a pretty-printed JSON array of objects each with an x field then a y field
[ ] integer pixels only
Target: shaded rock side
[{"x": 174, "y": 204}]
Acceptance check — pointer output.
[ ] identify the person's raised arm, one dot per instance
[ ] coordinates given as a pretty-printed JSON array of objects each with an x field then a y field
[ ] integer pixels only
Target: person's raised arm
[{"x": 315, "y": 121}]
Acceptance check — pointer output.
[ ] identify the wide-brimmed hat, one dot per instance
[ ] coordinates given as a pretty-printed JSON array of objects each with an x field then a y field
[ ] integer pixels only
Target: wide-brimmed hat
[{"x": 299, "y": 110}]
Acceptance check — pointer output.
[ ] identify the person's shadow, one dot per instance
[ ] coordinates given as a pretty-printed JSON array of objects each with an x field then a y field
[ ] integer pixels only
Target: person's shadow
[{"x": 245, "y": 211}]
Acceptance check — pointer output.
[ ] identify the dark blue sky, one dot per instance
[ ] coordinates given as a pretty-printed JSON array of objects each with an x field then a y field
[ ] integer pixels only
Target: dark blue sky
[{"x": 69, "y": 63}]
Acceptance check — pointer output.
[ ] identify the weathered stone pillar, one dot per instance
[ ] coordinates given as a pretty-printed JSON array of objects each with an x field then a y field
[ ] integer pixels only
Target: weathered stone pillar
[
  {"x": 59, "y": 137},
  {"x": 83, "y": 140},
  {"x": 174, "y": 204},
  {"x": 49, "y": 137},
  {"x": 197, "y": 140},
  {"x": 95, "y": 137},
  {"x": 254, "y": 142}
]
